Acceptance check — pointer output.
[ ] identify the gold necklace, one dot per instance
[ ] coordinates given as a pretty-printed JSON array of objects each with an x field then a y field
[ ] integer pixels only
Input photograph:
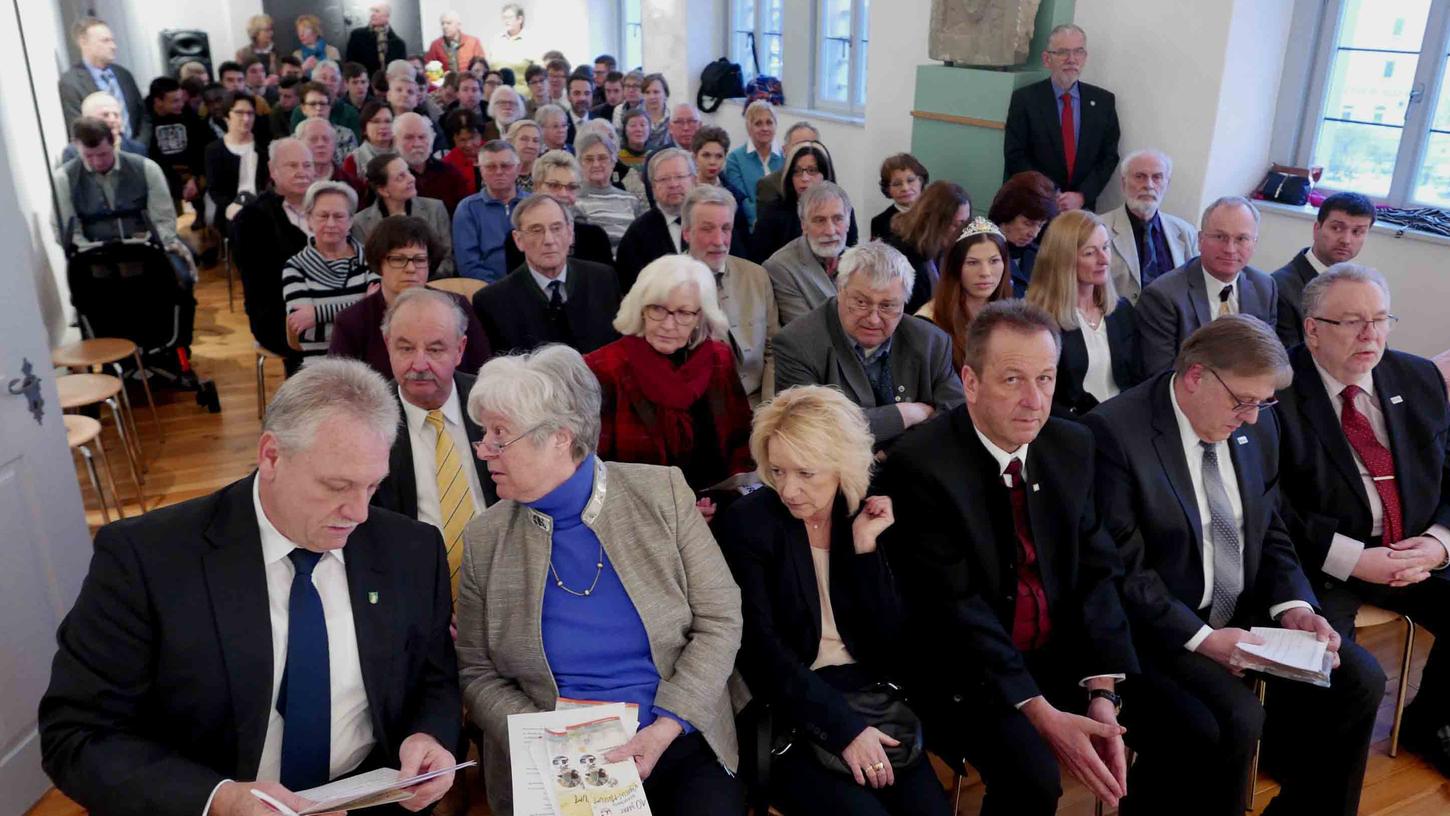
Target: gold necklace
[{"x": 598, "y": 571}]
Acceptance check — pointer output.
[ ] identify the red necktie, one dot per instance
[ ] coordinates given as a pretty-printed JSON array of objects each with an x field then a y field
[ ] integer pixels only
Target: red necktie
[
  {"x": 830, "y": 266},
  {"x": 1377, "y": 460},
  {"x": 1030, "y": 622},
  {"x": 1069, "y": 136}
]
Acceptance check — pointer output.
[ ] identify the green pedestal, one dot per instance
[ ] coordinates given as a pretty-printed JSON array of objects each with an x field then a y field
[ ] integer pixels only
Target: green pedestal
[{"x": 959, "y": 113}]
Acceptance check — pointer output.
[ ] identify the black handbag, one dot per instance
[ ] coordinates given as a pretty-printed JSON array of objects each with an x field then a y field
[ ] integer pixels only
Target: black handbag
[
  {"x": 719, "y": 81},
  {"x": 882, "y": 706},
  {"x": 1285, "y": 188}
]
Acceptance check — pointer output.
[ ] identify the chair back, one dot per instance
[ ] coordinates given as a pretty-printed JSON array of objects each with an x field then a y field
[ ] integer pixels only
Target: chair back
[{"x": 468, "y": 287}]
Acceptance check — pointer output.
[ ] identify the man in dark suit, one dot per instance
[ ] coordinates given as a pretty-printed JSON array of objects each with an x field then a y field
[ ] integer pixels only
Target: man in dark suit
[
  {"x": 376, "y": 44},
  {"x": 550, "y": 297},
  {"x": 265, "y": 234},
  {"x": 1187, "y": 469},
  {"x": 426, "y": 331},
  {"x": 1065, "y": 129},
  {"x": 1366, "y": 493},
  {"x": 897, "y": 367},
  {"x": 558, "y": 174},
  {"x": 1023, "y": 579},
  {"x": 98, "y": 71},
  {"x": 1219, "y": 282},
  {"x": 276, "y": 630},
  {"x": 1339, "y": 232}
]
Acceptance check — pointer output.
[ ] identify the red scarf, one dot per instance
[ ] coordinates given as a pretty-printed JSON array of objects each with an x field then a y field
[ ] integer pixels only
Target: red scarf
[{"x": 669, "y": 389}]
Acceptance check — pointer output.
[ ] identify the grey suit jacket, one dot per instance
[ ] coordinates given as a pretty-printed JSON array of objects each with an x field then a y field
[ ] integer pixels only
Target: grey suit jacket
[
  {"x": 1176, "y": 304},
  {"x": 671, "y": 568},
  {"x": 748, "y": 300},
  {"x": 1182, "y": 238},
  {"x": 799, "y": 280},
  {"x": 816, "y": 350},
  {"x": 430, "y": 210}
]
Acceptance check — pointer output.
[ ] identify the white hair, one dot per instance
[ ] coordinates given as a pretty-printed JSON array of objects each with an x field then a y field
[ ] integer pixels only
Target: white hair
[
  {"x": 1316, "y": 289},
  {"x": 818, "y": 194},
  {"x": 548, "y": 390},
  {"x": 325, "y": 388},
  {"x": 879, "y": 266},
  {"x": 543, "y": 113},
  {"x": 302, "y": 125},
  {"x": 603, "y": 135},
  {"x": 322, "y": 188},
  {"x": 665, "y": 154},
  {"x": 706, "y": 194},
  {"x": 450, "y": 15},
  {"x": 93, "y": 103},
  {"x": 1162, "y": 157},
  {"x": 425, "y": 297},
  {"x": 653, "y": 287},
  {"x": 401, "y": 69},
  {"x": 412, "y": 116},
  {"x": 277, "y": 144},
  {"x": 327, "y": 64}
]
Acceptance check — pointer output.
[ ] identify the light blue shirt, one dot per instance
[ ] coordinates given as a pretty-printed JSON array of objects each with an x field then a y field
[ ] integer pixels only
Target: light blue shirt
[
  {"x": 106, "y": 80},
  {"x": 543, "y": 281}
]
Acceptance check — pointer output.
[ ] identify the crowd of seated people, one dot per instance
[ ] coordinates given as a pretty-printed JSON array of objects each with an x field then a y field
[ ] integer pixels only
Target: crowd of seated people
[{"x": 1005, "y": 487}]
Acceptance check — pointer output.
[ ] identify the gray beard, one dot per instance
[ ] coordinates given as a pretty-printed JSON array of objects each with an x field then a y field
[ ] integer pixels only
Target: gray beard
[{"x": 1145, "y": 212}]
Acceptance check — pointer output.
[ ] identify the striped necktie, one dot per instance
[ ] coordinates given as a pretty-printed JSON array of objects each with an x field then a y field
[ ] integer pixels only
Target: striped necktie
[{"x": 455, "y": 499}]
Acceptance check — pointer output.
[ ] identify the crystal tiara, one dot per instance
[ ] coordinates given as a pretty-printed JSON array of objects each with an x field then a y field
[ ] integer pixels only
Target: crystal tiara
[{"x": 979, "y": 226}]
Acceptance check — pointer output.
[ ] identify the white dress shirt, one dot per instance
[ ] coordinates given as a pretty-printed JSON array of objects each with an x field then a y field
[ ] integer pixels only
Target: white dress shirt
[
  {"x": 424, "y": 440},
  {"x": 1319, "y": 266},
  {"x": 247, "y": 171},
  {"x": 1229, "y": 477},
  {"x": 1098, "y": 379},
  {"x": 544, "y": 280},
  {"x": 1213, "y": 286},
  {"x": 1344, "y": 551},
  {"x": 676, "y": 228}
]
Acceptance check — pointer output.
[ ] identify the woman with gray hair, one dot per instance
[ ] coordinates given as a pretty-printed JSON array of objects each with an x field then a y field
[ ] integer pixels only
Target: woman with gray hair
[
  {"x": 671, "y": 392},
  {"x": 505, "y": 107},
  {"x": 601, "y": 200},
  {"x": 569, "y": 590},
  {"x": 329, "y": 274},
  {"x": 553, "y": 127}
]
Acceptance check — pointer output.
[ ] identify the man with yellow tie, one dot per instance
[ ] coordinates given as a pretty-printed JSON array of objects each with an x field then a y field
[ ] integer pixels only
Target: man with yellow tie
[{"x": 433, "y": 475}]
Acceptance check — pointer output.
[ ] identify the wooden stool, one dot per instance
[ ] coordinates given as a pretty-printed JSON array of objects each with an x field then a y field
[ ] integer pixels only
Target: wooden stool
[
  {"x": 102, "y": 351},
  {"x": 80, "y": 390},
  {"x": 1370, "y": 615},
  {"x": 80, "y": 432},
  {"x": 263, "y": 355},
  {"x": 468, "y": 287}
]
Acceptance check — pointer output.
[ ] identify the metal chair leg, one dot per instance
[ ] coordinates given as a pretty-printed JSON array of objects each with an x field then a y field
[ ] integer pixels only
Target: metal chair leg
[
  {"x": 957, "y": 797},
  {"x": 130, "y": 416},
  {"x": 95, "y": 481},
  {"x": 130, "y": 454},
  {"x": 150, "y": 398},
  {"x": 1404, "y": 686},
  {"x": 261, "y": 386},
  {"x": 1260, "y": 690},
  {"x": 227, "y": 264},
  {"x": 111, "y": 477}
]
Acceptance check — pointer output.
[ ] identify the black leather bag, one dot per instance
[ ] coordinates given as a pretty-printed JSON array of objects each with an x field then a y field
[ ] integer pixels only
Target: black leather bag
[
  {"x": 882, "y": 706},
  {"x": 1285, "y": 188},
  {"x": 721, "y": 80}
]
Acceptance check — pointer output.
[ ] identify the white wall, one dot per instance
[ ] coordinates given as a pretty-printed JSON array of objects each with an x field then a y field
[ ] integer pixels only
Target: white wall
[
  {"x": 580, "y": 28},
  {"x": 224, "y": 21}
]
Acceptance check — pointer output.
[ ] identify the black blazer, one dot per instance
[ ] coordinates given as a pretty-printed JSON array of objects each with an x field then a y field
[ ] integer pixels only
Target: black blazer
[
  {"x": 770, "y": 557},
  {"x": 1070, "y": 400},
  {"x": 591, "y": 243},
  {"x": 1033, "y": 139},
  {"x": 1323, "y": 493},
  {"x": 1291, "y": 278},
  {"x": 953, "y": 546},
  {"x": 223, "y": 174},
  {"x": 399, "y": 491},
  {"x": 1147, "y": 502},
  {"x": 76, "y": 84},
  {"x": 881, "y": 222},
  {"x": 262, "y": 240},
  {"x": 362, "y": 47},
  {"x": 162, "y": 684},
  {"x": 648, "y": 238},
  {"x": 922, "y": 285},
  {"x": 514, "y": 310},
  {"x": 777, "y": 224}
]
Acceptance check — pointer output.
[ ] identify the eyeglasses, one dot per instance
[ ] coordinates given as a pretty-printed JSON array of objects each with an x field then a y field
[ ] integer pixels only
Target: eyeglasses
[
  {"x": 401, "y": 262},
  {"x": 497, "y": 167},
  {"x": 1064, "y": 53},
  {"x": 1381, "y": 325},
  {"x": 1242, "y": 405},
  {"x": 1240, "y": 241},
  {"x": 492, "y": 448},
  {"x": 889, "y": 310},
  {"x": 903, "y": 183},
  {"x": 660, "y": 314},
  {"x": 561, "y": 186},
  {"x": 316, "y": 104},
  {"x": 674, "y": 179},
  {"x": 537, "y": 231},
  {"x": 805, "y": 172}
]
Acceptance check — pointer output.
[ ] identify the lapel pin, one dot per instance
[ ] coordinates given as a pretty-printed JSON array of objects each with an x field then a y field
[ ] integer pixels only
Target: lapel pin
[
  {"x": 1243, "y": 440},
  {"x": 1093, "y": 102},
  {"x": 1396, "y": 399},
  {"x": 373, "y": 598},
  {"x": 1036, "y": 487}
]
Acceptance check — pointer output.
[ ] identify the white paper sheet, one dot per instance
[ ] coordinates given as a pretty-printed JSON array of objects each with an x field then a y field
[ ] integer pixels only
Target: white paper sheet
[{"x": 1287, "y": 647}]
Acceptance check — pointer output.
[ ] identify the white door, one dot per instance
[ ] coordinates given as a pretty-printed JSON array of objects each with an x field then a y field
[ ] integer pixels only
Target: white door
[{"x": 44, "y": 545}]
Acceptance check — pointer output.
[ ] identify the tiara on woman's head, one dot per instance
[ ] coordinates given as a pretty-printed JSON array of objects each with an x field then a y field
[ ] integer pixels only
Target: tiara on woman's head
[{"x": 979, "y": 226}]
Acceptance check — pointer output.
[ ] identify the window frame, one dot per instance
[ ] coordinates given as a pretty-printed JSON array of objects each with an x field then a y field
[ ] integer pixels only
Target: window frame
[
  {"x": 854, "y": 105},
  {"x": 758, "y": 32},
  {"x": 1426, "y": 86},
  {"x": 625, "y": 25}
]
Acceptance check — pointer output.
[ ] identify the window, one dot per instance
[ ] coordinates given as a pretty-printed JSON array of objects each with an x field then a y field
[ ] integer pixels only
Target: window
[
  {"x": 1379, "y": 63},
  {"x": 631, "y": 36},
  {"x": 762, "y": 22},
  {"x": 841, "y": 56}
]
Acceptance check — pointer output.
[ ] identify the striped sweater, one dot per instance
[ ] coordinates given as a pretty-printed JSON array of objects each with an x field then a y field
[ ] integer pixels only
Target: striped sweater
[
  {"x": 609, "y": 207},
  {"x": 309, "y": 279}
]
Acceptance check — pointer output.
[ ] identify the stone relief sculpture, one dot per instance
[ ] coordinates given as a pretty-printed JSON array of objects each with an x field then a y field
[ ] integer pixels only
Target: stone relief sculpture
[{"x": 982, "y": 32}]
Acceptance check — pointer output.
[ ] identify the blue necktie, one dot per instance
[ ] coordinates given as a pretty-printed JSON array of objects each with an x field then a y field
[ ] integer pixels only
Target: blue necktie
[
  {"x": 113, "y": 87},
  {"x": 304, "y": 698}
]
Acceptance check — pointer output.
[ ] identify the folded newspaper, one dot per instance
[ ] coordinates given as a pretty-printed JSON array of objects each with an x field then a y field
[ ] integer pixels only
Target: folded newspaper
[{"x": 1288, "y": 653}]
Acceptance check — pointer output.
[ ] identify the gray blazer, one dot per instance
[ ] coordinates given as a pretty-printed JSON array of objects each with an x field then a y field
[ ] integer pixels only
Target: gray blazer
[
  {"x": 1176, "y": 304},
  {"x": 1181, "y": 236},
  {"x": 671, "y": 568},
  {"x": 748, "y": 301},
  {"x": 799, "y": 280},
  {"x": 430, "y": 210},
  {"x": 816, "y": 350}
]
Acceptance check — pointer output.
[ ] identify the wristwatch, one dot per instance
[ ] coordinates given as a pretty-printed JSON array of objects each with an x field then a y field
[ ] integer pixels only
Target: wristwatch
[{"x": 1112, "y": 697}]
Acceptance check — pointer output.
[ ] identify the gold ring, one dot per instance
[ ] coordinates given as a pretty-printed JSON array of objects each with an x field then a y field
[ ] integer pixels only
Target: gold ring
[{"x": 878, "y": 766}]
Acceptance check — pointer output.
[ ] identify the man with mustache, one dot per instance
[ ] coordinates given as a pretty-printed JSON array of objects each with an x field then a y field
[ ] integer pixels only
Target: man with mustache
[
  {"x": 1339, "y": 233},
  {"x": 433, "y": 475},
  {"x": 1147, "y": 242}
]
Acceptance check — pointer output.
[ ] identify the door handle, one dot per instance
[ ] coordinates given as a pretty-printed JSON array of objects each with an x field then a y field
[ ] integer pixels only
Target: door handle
[{"x": 28, "y": 385}]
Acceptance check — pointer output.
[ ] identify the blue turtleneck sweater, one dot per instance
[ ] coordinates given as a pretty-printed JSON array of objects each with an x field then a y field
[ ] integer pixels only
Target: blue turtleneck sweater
[{"x": 597, "y": 646}]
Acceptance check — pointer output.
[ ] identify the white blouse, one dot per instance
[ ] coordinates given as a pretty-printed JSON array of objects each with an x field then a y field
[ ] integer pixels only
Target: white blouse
[
  {"x": 1098, "y": 380},
  {"x": 247, "y": 173}
]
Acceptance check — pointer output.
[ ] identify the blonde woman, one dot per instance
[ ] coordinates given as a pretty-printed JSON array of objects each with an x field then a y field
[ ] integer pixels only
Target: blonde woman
[
  {"x": 821, "y": 611},
  {"x": 1071, "y": 282},
  {"x": 757, "y": 158},
  {"x": 314, "y": 48}
]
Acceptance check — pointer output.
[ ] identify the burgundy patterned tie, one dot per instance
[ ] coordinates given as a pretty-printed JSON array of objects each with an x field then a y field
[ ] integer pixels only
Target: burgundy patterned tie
[{"x": 1377, "y": 459}]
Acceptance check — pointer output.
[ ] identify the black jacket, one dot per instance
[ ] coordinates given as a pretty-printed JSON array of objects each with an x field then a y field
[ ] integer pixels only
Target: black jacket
[
  {"x": 1070, "y": 400},
  {"x": 223, "y": 171},
  {"x": 76, "y": 84},
  {"x": 1290, "y": 279},
  {"x": 776, "y": 224},
  {"x": 262, "y": 239},
  {"x": 881, "y": 223},
  {"x": 1033, "y": 139},
  {"x": 161, "y": 687},
  {"x": 515, "y": 315},
  {"x": 362, "y": 47},
  {"x": 591, "y": 243},
  {"x": 954, "y": 547},
  {"x": 399, "y": 491},
  {"x": 648, "y": 238},
  {"x": 1323, "y": 493}
]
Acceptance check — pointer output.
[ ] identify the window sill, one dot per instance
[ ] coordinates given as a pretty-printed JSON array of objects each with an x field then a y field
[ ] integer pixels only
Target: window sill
[
  {"x": 1308, "y": 213},
  {"x": 803, "y": 113}
]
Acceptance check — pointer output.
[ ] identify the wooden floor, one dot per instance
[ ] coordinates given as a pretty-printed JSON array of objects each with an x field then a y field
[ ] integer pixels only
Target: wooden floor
[{"x": 202, "y": 452}]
